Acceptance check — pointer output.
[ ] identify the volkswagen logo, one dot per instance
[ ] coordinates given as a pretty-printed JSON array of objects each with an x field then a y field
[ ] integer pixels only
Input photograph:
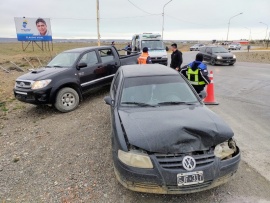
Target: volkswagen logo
[{"x": 189, "y": 163}]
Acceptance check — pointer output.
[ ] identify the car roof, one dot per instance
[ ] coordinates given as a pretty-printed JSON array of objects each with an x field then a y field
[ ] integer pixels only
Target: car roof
[
  {"x": 83, "y": 49},
  {"x": 147, "y": 70}
]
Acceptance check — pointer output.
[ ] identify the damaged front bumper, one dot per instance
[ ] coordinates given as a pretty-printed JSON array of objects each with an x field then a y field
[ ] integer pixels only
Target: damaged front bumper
[{"x": 162, "y": 180}]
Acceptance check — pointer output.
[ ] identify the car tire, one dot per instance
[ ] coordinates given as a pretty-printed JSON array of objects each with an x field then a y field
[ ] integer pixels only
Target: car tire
[
  {"x": 67, "y": 100},
  {"x": 213, "y": 62}
]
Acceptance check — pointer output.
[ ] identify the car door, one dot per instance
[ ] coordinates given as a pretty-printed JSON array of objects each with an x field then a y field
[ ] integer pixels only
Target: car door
[
  {"x": 208, "y": 54},
  {"x": 87, "y": 74},
  {"x": 108, "y": 66}
]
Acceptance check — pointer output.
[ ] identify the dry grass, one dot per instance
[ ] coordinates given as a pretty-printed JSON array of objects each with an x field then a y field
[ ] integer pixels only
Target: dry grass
[{"x": 254, "y": 57}]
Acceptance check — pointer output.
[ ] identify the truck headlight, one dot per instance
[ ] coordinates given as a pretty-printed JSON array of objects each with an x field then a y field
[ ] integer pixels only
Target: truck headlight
[
  {"x": 40, "y": 84},
  {"x": 226, "y": 149},
  {"x": 234, "y": 56},
  {"x": 219, "y": 57},
  {"x": 135, "y": 159}
]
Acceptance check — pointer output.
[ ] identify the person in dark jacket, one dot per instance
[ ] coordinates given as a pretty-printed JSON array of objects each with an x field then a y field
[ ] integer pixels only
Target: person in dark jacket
[
  {"x": 197, "y": 74},
  {"x": 176, "y": 58}
]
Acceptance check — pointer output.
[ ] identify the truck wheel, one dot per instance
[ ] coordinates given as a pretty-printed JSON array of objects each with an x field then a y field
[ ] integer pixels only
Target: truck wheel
[{"x": 67, "y": 99}]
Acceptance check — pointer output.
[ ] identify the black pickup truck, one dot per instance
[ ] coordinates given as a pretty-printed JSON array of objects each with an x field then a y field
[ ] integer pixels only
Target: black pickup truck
[{"x": 69, "y": 75}]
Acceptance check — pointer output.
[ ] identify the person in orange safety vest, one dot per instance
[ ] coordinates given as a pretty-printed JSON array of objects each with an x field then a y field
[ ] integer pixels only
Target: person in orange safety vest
[{"x": 144, "y": 58}]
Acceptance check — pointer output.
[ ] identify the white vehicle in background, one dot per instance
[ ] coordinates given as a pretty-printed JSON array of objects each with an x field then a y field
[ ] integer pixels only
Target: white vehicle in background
[
  {"x": 196, "y": 47},
  {"x": 155, "y": 45},
  {"x": 234, "y": 46}
]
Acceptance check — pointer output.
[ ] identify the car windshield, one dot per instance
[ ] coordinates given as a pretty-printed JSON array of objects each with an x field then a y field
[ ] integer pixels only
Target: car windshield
[
  {"x": 153, "y": 44},
  {"x": 156, "y": 91},
  {"x": 196, "y": 45},
  {"x": 219, "y": 50},
  {"x": 65, "y": 59}
]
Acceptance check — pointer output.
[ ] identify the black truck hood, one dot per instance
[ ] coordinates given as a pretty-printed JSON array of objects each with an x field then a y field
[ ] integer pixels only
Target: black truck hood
[
  {"x": 41, "y": 74},
  {"x": 177, "y": 129}
]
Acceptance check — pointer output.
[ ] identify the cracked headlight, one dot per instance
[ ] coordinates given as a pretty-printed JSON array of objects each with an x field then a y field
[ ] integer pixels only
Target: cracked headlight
[
  {"x": 135, "y": 159},
  {"x": 219, "y": 57},
  {"x": 40, "y": 84},
  {"x": 226, "y": 149}
]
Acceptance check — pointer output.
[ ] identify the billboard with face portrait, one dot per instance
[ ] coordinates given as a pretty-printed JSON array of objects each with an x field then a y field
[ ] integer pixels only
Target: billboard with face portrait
[{"x": 33, "y": 29}]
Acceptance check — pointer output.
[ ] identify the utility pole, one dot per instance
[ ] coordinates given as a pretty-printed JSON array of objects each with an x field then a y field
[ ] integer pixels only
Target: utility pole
[
  {"x": 98, "y": 34},
  {"x": 229, "y": 25},
  {"x": 163, "y": 18}
]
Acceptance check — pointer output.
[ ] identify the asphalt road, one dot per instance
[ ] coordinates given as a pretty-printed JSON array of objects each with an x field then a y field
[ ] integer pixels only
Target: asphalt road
[{"x": 243, "y": 91}]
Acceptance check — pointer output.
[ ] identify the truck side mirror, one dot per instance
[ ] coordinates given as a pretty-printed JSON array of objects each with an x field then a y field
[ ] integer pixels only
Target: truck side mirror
[
  {"x": 167, "y": 49},
  {"x": 81, "y": 65}
]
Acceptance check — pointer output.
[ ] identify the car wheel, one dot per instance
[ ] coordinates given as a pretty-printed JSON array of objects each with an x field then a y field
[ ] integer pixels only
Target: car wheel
[
  {"x": 213, "y": 61},
  {"x": 67, "y": 99}
]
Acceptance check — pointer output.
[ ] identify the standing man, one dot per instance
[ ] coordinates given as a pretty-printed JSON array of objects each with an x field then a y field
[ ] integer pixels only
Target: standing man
[
  {"x": 144, "y": 58},
  {"x": 42, "y": 27},
  {"x": 197, "y": 74},
  {"x": 113, "y": 44},
  {"x": 128, "y": 49},
  {"x": 176, "y": 58}
]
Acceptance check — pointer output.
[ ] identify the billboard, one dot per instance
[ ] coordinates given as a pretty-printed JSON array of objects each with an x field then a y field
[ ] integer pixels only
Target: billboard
[{"x": 33, "y": 29}]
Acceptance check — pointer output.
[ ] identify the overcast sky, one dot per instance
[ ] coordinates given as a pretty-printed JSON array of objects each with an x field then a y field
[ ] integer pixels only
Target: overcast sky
[{"x": 184, "y": 19}]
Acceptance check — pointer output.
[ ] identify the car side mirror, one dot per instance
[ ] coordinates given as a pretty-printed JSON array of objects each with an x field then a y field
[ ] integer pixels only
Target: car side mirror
[
  {"x": 167, "y": 49},
  {"x": 108, "y": 100},
  {"x": 81, "y": 65},
  {"x": 202, "y": 94}
]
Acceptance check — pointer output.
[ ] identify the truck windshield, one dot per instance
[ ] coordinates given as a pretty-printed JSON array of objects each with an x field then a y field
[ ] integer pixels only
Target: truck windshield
[
  {"x": 153, "y": 44},
  {"x": 65, "y": 59}
]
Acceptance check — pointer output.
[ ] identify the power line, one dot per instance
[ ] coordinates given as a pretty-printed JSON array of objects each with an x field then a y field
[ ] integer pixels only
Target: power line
[{"x": 140, "y": 8}]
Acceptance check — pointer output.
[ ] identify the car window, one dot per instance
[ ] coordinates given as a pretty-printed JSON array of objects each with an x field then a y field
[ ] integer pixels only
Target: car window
[
  {"x": 156, "y": 89},
  {"x": 219, "y": 50},
  {"x": 89, "y": 58},
  {"x": 208, "y": 50},
  {"x": 202, "y": 49},
  {"x": 106, "y": 55},
  {"x": 115, "y": 84}
]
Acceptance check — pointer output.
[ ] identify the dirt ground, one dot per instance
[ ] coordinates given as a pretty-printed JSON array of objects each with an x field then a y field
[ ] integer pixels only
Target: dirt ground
[
  {"x": 255, "y": 57},
  {"x": 47, "y": 156}
]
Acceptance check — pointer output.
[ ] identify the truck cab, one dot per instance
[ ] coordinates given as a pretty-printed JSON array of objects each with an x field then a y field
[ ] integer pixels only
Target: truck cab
[{"x": 156, "y": 48}]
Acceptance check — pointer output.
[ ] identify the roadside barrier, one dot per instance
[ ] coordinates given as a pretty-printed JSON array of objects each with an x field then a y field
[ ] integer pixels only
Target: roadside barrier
[{"x": 210, "y": 98}]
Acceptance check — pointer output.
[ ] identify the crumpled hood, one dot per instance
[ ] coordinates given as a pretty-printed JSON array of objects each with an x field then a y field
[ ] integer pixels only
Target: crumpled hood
[
  {"x": 177, "y": 129},
  {"x": 41, "y": 74}
]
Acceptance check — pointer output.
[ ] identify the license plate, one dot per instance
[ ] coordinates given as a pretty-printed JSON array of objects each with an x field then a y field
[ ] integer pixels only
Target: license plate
[
  {"x": 228, "y": 61},
  {"x": 190, "y": 178}
]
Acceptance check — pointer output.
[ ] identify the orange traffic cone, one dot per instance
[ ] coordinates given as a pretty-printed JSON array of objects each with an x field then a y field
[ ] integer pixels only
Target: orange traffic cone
[{"x": 210, "y": 98}]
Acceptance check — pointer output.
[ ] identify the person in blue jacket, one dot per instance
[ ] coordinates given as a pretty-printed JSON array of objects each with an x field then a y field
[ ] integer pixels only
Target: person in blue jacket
[{"x": 197, "y": 74}]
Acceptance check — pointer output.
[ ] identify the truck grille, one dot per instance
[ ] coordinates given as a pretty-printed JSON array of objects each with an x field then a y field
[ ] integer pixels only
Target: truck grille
[
  {"x": 23, "y": 84},
  {"x": 155, "y": 58},
  {"x": 174, "y": 161}
]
